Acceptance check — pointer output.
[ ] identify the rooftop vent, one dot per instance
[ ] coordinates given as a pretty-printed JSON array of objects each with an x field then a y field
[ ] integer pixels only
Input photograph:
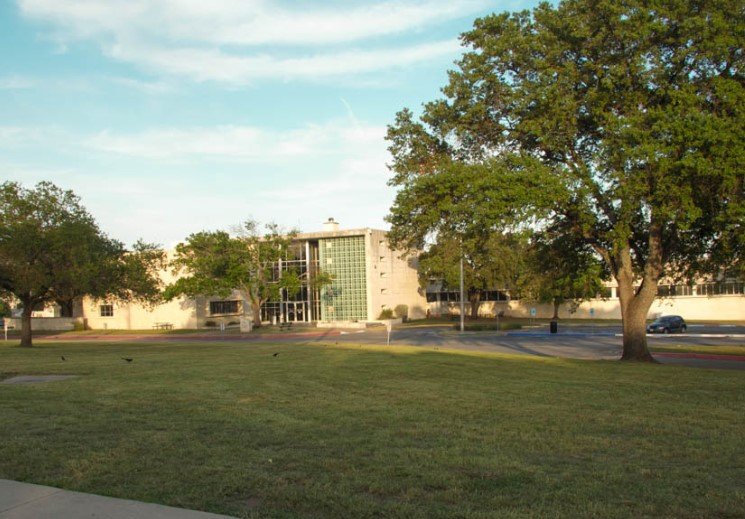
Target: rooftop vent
[{"x": 330, "y": 225}]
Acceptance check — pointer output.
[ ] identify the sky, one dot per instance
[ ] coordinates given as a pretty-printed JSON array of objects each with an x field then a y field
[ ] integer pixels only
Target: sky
[{"x": 169, "y": 117}]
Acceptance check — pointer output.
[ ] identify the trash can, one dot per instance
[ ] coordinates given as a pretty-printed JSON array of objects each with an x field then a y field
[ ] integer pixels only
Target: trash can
[{"x": 554, "y": 326}]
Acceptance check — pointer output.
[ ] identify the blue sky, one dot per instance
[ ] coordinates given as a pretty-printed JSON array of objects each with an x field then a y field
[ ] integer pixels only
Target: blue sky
[{"x": 168, "y": 117}]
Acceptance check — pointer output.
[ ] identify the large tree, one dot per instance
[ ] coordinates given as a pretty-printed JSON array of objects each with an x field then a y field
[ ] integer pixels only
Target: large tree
[
  {"x": 562, "y": 271},
  {"x": 52, "y": 251},
  {"x": 214, "y": 263},
  {"x": 490, "y": 261},
  {"x": 619, "y": 121}
]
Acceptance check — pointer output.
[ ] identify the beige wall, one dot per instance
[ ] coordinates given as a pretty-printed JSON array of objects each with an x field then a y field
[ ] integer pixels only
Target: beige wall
[
  {"x": 46, "y": 324},
  {"x": 391, "y": 280},
  {"x": 181, "y": 313},
  {"x": 714, "y": 308}
]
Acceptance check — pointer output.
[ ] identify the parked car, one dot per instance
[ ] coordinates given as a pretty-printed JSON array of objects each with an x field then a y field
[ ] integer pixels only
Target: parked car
[{"x": 667, "y": 324}]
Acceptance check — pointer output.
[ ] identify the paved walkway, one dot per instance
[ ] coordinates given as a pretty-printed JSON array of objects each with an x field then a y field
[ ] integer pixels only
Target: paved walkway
[{"x": 27, "y": 501}]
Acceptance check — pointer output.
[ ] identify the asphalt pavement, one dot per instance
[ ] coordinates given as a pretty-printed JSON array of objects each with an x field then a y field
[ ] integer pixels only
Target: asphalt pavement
[
  {"x": 600, "y": 342},
  {"x": 26, "y": 501}
]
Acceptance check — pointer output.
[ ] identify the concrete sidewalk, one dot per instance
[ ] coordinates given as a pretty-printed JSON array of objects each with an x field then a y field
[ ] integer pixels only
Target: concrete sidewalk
[{"x": 27, "y": 501}]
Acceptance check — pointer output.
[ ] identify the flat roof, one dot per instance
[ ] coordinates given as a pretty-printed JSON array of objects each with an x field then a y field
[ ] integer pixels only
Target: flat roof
[{"x": 341, "y": 233}]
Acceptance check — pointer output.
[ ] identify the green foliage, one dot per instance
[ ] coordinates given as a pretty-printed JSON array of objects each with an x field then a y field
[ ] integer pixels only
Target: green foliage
[
  {"x": 214, "y": 263},
  {"x": 51, "y": 250},
  {"x": 490, "y": 260},
  {"x": 562, "y": 270},
  {"x": 621, "y": 124},
  {"x": 401, "y": 311},
  {"x": 386, "y": 313}
]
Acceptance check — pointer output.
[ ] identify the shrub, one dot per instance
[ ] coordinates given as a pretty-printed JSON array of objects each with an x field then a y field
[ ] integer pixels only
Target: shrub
[
  {"x": 387, "y": 313},
  {"x": 210, "y": 324},
  {"x": 483, "y": 327},
  {"x": 402, "y": 311}
]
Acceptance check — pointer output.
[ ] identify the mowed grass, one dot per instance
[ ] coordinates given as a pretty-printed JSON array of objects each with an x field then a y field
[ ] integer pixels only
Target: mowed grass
[{"x": 331, "y": 431}]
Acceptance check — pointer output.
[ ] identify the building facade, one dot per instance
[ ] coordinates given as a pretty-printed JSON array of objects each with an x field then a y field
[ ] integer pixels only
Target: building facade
[
  {"x": 367, "y": 277},
  {"x": 704, "y": 301}
]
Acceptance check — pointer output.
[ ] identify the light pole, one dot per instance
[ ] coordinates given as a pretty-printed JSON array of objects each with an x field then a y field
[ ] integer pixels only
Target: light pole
[{"x": 462, "y": 302}]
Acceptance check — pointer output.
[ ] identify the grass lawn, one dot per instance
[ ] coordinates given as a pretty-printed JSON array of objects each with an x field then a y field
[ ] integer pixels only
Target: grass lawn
[{"x": 331, "y": 431}]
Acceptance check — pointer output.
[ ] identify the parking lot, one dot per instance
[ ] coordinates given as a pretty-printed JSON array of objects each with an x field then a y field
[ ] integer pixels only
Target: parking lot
[{"x": 579, "y": 341}]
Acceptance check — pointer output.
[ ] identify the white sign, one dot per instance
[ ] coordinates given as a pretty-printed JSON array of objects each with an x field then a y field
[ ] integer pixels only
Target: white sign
[{"x": 532, "y": 312}]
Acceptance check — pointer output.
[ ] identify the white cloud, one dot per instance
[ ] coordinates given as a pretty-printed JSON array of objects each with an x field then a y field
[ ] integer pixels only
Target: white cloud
[
  {"x": 16, "y": 83},
  {"x": 146, "y": 87},
  {"x": 239, "y": 143},
  {"x": 239, "y": 41},
  {"x": 12, "y": 136},
  {"x": 163, "y": 184},
  {"x": 242, "y": 22},
  {"x": 215, "y": 65}
]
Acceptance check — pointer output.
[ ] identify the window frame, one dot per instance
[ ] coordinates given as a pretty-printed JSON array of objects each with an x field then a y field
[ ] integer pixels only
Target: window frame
[{"x": 224, "y": 304}]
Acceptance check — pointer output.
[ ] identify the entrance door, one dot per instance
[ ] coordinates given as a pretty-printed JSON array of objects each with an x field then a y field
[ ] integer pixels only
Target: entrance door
[{"x": 295, "y": 312}]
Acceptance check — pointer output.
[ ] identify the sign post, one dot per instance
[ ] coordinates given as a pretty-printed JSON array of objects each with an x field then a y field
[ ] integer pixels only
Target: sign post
[
  {"x": 388, "y": 328},
  {"x": 6, "y": 326}
]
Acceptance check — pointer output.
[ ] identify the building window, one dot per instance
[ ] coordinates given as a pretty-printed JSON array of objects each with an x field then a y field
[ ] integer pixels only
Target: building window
[
  {"x": 674, "y": 290},
  {"x": 106, "y": 310},
  {"x": 720, "y": 289},
  {"x": 223, "y": 307}
]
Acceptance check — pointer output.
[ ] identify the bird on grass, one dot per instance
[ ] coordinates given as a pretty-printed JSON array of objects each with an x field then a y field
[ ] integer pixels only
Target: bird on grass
[
  {"x": 63, "y": 357},
  {"x": 127, "y": 359},
  {"x": 275, "y": 354}
]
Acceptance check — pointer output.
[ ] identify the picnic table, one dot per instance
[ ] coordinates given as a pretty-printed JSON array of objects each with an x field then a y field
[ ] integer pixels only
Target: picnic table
[{"x": 163, "y": 326}]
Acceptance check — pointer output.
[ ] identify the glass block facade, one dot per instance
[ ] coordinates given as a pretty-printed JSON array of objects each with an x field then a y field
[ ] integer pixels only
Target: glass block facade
[{"x": 346, "y": 298}]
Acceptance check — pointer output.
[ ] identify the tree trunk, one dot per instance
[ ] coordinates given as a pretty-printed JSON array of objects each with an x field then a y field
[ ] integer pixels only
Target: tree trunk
[
  {"x": 556, "y": 308},
  {"x": 256, "y": 310},
  {"x": 634, "y": 309},
  {"x": 26, "y": 325},
  {"x": 635, "y": 332},
  {"x": 474, "y": 298},
  {"x": 65, "y": 307}
]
